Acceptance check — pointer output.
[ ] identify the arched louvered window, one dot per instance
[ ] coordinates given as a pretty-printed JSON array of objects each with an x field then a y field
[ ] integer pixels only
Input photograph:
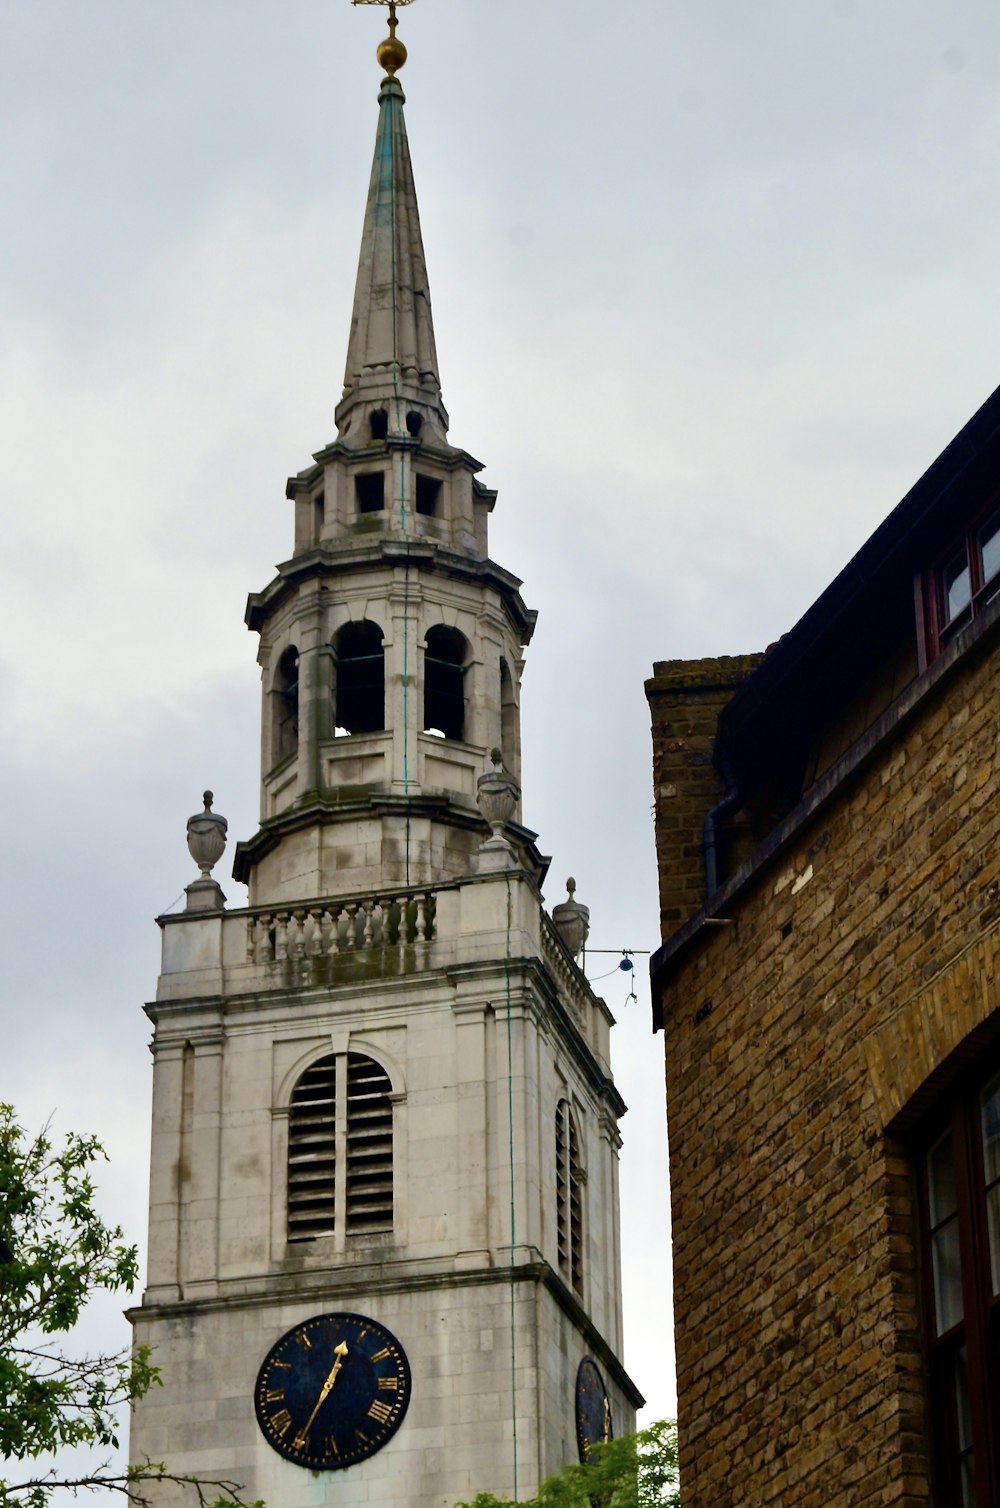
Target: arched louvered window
[
  {"x": 569, "y": 1198},
  {"x": 369, "y": 1146},
  {"x": 340, "y": 1149}
]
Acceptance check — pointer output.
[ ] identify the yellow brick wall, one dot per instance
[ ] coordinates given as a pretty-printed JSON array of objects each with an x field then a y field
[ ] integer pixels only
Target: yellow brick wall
[
  {"x": 856, "y": 966},
  {"x": 685, "y": 698}
]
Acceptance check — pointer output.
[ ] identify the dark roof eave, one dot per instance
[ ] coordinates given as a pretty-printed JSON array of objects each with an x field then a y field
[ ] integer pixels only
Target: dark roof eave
[
  {"x": 863, "y": 571},
  {"x": 976, "y": 639}
]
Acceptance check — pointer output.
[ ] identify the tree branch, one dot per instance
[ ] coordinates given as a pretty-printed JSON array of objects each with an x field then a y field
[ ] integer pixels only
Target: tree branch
[{"x": 129, "y": 1484}]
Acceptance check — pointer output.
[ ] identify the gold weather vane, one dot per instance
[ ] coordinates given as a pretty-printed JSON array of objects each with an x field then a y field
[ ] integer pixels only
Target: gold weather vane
[{"x": 390, "y": 52}]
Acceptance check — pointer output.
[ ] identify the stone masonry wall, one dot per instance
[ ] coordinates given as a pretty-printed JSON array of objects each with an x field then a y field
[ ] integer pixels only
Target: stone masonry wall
[
  {"x": 685, "y": 698},
  {"x": 854, "y": 965}
]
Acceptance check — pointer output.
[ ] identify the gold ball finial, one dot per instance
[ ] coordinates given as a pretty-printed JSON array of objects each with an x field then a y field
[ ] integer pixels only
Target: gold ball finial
[{"x": 391, "y": 54}]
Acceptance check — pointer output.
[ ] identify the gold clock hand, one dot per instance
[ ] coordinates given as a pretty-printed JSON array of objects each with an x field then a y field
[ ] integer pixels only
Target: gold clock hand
[{"x": 339, "y": 1353}]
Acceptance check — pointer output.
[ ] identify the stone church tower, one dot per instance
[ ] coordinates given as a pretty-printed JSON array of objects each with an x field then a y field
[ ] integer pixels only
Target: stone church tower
[{"x": 384, "y": 1248}]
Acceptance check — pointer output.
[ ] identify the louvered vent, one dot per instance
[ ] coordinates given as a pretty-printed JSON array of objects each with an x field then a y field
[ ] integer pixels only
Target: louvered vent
[
  {"x": 575, "y": 1212},
  {"x": 369, "y": 1147},
  {"x": 312, "y": 1153},
  {"x": 569, "y": 1198},
  {"x": 562, "y": 1189}
]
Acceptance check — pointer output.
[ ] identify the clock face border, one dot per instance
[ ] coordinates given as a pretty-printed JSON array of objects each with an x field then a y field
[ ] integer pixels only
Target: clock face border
[
  {"x": 594, "y": 1420},
  {"x": 361, "y": 1409}
]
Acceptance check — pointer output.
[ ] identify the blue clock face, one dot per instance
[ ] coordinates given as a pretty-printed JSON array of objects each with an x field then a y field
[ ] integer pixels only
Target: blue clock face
[
  {"x": 332, "y": 1391},
  {"x": 593, "y": 1408}
]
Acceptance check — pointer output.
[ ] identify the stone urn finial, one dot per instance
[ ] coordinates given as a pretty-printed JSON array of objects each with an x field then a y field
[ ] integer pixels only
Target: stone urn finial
[
  {"x": 572, "y": 920},
  {"x": 497, "y": 793},
  {"x": 206, "y": 839}
]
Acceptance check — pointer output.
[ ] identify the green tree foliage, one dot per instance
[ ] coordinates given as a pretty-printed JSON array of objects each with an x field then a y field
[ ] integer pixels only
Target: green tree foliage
[
  {"x": 637, "y": 1471},
  {"x": 55, "y": 1253}
]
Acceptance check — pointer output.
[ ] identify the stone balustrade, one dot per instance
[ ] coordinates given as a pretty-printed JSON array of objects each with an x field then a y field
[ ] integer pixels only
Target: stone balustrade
[
  {"x": 483, "y": 920},
  {"x": 327, "y": 929},
  {"x": 574, "y": 989}
]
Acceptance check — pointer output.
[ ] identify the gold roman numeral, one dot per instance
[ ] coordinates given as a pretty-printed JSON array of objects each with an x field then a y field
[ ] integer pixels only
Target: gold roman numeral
[
  {"x": 281, "y": 1422},
  {"x": 382, "y": 1412},
  {"x": 285, "y": 1366},
  {"x": 388, "y": 1384},
  {"x": 362, "y": 1437},
  {"x": 330, "y": 1451},
  {"x": 381, "y": 1355},
  {"x": 304, "y": 1341},
  {"x": 274, "y": 1395}
]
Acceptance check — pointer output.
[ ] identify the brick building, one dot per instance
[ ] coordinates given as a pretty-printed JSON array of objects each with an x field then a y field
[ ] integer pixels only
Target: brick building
[{"x": 829, "y": 866}]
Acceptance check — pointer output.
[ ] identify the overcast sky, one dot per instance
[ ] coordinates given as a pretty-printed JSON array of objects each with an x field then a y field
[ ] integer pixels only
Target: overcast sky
[{"x": 713, "y": 284}]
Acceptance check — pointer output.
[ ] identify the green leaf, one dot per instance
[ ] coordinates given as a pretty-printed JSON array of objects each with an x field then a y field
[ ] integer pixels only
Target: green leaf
[{"x": 635, "y": 1471}]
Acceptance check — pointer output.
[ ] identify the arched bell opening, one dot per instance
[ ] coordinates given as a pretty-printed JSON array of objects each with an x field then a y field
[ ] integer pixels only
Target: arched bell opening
[
  {"x": 445, "y": 659},
  {"x": 510, "y": 738},
  {"x": 285, "y": 706},
  {"x": 359, "y": 656}
]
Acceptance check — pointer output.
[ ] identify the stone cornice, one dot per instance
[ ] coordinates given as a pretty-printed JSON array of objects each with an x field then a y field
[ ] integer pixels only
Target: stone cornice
[
  {"x": 358, "y": 802},
  {"x": 329, "y": 560},
  {"x": 332, "y": 1285}
]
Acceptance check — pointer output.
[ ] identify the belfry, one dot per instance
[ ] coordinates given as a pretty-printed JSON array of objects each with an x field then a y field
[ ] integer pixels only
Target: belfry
[{"x": 383, "y": 1243}]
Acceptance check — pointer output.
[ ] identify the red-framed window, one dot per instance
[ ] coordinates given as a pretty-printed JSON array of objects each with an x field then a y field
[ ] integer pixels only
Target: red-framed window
[
  {"x": 963, "y": 582},
  {"x": 960, "y": 1230}
]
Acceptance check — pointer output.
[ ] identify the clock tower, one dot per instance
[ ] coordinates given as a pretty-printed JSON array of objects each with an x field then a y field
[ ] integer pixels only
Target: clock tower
[{"x": 383, "y": 1241}]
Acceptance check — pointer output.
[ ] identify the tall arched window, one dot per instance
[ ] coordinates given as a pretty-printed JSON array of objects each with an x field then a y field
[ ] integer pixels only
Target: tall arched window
[
  {"x": 569, "y": 1198},
  {"x": 360, "y": 678},
  {"x": 285, "y": 706},
  {"x": 340, "y": 1149},
  {"x": 444, "y": 682}
]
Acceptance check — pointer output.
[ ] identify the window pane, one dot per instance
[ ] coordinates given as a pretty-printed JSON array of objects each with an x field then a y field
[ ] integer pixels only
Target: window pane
[
  {"x": 964, "y": 1430},
  {"x": 947, "y": 1277},
  {"x": 990, "y": 595},
  {"x": 941, "y": 1180},
  {"x": 956, "y": 585},
  {"x": 993, "y": 1221},
  {"x": 989, "y": 547},
  {"x": 991, "y": 1129}
]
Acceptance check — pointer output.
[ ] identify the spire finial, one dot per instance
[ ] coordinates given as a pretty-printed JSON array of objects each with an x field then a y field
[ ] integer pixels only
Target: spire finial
[
  {"x": 391, "y": 382},
  {"x": 390, "y": 52}
]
